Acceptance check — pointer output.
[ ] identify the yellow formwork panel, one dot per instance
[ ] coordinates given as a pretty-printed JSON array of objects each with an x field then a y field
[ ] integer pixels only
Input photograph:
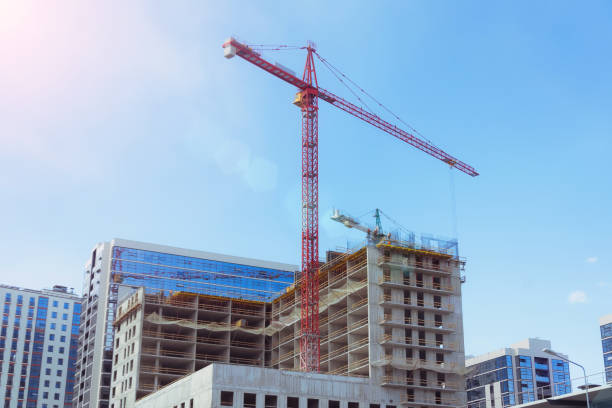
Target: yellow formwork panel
[{"x": 413, "y": 250}]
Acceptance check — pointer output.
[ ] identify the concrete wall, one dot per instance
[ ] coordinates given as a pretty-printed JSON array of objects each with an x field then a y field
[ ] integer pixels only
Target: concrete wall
[{"x": 205, "y": 387}]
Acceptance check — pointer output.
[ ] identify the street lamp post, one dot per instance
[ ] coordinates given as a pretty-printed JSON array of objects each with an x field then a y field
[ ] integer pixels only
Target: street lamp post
[{"x": 586, "y": 386}]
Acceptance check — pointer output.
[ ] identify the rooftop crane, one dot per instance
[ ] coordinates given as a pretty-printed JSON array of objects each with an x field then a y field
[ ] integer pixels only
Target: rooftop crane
[
  {"x": 374, "y": 235},
  {"x": 307, "y": 99}
]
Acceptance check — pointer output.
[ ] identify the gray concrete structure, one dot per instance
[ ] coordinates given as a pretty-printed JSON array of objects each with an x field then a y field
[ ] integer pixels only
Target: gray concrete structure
[{"x": 222, "y": 385}]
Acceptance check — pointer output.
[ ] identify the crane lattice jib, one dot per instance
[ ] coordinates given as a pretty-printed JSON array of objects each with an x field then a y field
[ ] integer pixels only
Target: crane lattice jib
[
  {"x": 256, "y": 59},
  {"x": 307, "y": 100}
]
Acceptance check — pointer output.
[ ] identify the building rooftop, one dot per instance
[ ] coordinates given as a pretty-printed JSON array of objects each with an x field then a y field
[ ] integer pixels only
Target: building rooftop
[
  {"x": 605, "y": 319},
  {"x": 528, "y": 346}
]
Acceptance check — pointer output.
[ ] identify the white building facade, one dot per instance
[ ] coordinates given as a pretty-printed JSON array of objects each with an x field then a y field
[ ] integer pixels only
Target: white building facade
[{"x": 38, "y": 346}]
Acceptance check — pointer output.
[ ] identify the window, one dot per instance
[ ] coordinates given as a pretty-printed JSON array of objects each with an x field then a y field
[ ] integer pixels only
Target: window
[
  {"x": 63, "y": 339},
  {"x": 250, "y": 400},
  {"x": 46, "y": 383},
  {"x": 63, "y": 327},
  {"x": 191, "y": 403},
  {"x": 48, "y": 371},
  {"x": 374, "y": 405},
  {"x": 49, "y": 360},
  {"x": 333, "y": 404},
  {"x": 353, "y": 405},
  {"x": 66, "y": 306},
  {"x": 313, "y": 403},
  {"x": 61, "y": 350},
  {"x": 55, "y": 304},
  {"x": 293, "y": 402},
  {"x": 54, "y": 315},
  {"x": 51, "y": 337},
  {"x": 50, "y": 349},
  {"x": 52, "y": 326},
  {"x": 45, "y": 394},
  {"x": 58, "y": 384},
  {"x": 270, "y": 401},
  {"x": 56, "y": 396},
  {"x": 227, "y": 398},
  {"x": 60, "y": 361},
  {"x": 59, "y": 373},
  {"x": 65, "y": 316}
]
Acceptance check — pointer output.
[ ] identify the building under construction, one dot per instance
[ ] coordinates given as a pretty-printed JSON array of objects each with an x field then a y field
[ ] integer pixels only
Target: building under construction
[{"x": 389, "y": 314}]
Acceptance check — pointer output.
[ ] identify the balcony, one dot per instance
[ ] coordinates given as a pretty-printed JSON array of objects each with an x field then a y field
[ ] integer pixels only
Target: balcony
[
  {"x": 438, "y": 307},
  {"x": 389, "y": 381},
  {"x": 385, "y": 280},
  {"x": 430, "y": 403},
  {"x": 420, "y": 343},
  {"x": 420, "y": 324}
]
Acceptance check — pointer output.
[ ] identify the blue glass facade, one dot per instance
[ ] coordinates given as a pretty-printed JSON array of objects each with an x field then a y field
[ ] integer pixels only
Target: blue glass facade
[
  {"x": 26, "y": 352},
  {"x": 489, "y": 372},
  {"x": 37, "y": 351},
  {"x": 561, "y": 377},
  {"x": 520, "y": 379},
  {"x": 606, "y": 345},
  {"x": 72, "y": 356},
  {"x": 175, "y": 273}
]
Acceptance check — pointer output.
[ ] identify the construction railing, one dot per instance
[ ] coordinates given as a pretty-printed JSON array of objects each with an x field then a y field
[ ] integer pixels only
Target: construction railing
[
  {"x": 359, "y": 303},
  {"x": 165, "y": 370},
  {"x": 344, "y": 349},
  {"x": 431, "y": 305},
  {"x": 171, "y": 336},
  {"x": 421, "y": 342},
  {"x": 333, "y": 316},
  {"x": 283, "y": 357},
  {"x": 166, "y": 352},
  {"x": 357, "y": 267},
  {"x": 430, "y": 402},
  {"x": 426, "y": 324}
]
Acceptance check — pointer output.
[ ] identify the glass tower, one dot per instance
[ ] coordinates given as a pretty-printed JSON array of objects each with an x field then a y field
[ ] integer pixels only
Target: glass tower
[{"x": 117, "y": 268}]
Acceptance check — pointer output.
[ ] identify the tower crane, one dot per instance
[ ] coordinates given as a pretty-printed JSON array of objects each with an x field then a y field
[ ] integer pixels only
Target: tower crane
[
  {"x": 307, "y": 97},
  {"x": 375, "y": 234}
]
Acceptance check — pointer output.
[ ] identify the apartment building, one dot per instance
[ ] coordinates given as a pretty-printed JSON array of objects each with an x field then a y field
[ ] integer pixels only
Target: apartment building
[
  {"x": 515, "y": 375},
  {"x": 38, "y": 346}
]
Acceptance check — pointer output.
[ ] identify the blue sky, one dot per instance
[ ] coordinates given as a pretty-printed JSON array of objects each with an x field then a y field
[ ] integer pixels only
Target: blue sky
[{"x": 124, "y": 120}]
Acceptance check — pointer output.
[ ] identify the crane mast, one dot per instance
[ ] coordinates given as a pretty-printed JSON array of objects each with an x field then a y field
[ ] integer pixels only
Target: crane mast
[{"x": 307, "y": 100}]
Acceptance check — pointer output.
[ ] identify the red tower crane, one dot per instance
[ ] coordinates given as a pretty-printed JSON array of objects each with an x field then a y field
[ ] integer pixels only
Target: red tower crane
[{"x": 307, "y": 99}]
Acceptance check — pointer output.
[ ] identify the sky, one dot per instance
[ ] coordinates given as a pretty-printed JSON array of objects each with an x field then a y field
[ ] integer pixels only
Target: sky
[{"x": 123, "y": 119}]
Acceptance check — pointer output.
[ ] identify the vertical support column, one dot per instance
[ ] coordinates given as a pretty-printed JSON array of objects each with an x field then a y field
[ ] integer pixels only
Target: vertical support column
[{"x": 309, "y": 340}]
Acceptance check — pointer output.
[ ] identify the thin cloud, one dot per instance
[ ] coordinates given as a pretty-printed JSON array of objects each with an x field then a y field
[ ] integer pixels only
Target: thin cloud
[
  {"x": 577, "y": 296},
  {"x": 592, "y": 259}
]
